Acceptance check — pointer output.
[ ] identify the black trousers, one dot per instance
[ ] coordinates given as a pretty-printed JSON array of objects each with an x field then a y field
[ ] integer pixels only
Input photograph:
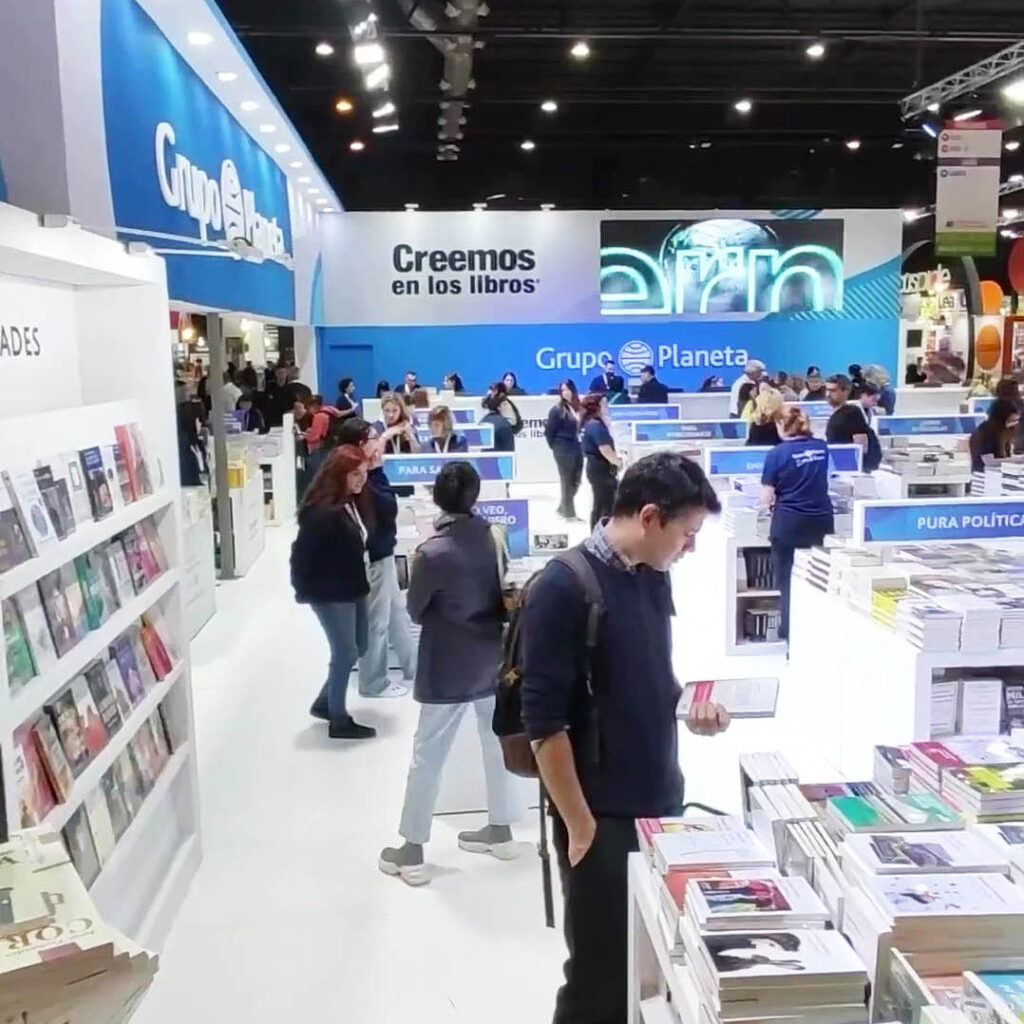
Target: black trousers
[
  {"x": 603, "y": 482},
  {"x": 808, "y": 534},
  {"x": 569, "y": 460},
  {"x": 596, "y": 922}
]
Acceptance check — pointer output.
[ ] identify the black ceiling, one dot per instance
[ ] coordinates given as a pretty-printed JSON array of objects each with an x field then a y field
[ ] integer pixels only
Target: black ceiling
[{"x": 660, "y": 82}]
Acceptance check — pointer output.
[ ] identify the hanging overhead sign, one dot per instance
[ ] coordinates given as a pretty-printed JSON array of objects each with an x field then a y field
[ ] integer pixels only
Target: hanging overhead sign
[
  {"x": 967, "y": 189},
  {"x": 689, "y": 430}
]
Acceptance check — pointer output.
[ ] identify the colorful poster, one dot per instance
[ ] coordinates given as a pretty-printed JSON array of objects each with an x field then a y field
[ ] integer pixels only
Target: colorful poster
[
  {"x": 967, "y": 189},
  {"x": 515, "y": 517}
]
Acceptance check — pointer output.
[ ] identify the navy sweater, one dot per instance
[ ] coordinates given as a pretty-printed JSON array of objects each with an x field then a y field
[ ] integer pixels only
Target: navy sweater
[
  {"x": 384, "y": 534},
  {"x": 327, "y": 565},
  {"x": 637, "y": 774},
  {"x": 562, "y": 427}
]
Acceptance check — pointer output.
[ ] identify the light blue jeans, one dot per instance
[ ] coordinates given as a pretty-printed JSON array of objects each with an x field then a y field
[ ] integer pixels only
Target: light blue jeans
[
  {"x": 344, "y": 622},
  {"x": 387, "y": 620},
  {"x": 434, "y": 735}
]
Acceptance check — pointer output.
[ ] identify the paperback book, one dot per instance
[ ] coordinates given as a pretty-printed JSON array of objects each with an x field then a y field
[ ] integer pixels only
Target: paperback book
[
  {"x": 136, "y": 565},
  {"x": 116, "y": 562},
  {"x": 103, "y": 695},
  {"x": 101, "y": 825},
  {"x": 146, "y": 673},
  {"x": 120, "y": 815},
  {"x": 20, "y": 667},
  {"x": 14, "y": 544},
  {"x": 127, "y": 664},
  {"x": 145, "y": 471},
  {"x": 70, "y": 729},
  {"x": 74, "y": 598},
  {"x": 96, "y": 610},
  {"x": 35, "y": 794},
  {"x": 123, "y": 476},
  {"x": 122, "y": 434},
  {"x": 725, "y": 849},
  {"x": 109, "y": 461},
  {"x": 93, "y": 729},
  {"x": 48, "y": 744},
  {"x": 56, "y": 500},
  {"x": 35, "y": 520},
  {"x": 866, "y": 855},
  {"x": 37, "y": 629},
  {"x": 742, "y": 698},
  {"x": 128, "y": 782},
  {"x": 78, "y": 837},
  {"x": 120, "y": 691},
  {"x": 71, "y": 469},
  {"x": 724, "y": 904},
  {"x": 96, "y": 482}
]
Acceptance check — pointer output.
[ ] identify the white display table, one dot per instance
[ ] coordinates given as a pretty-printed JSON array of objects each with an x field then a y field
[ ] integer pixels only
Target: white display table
[
  {"x": 248, "y": 521},
  {"x": 944, "y": 401},
  {"x": 199, "y": 572},
  {"x": 911, "y": 484}
]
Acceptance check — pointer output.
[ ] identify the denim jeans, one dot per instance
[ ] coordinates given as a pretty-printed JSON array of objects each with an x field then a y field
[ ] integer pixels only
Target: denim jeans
[
  {"x": 387, "y": 620},
  {"x": 434, "y": 735},
  {"x": 344, "y": 622}
]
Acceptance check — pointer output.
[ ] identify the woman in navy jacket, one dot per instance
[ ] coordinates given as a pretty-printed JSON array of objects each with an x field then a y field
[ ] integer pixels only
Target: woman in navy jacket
[
  {"x": 443, "y": 438},
  {"x": 562, "y": 432},
  {"x": 795, "y": 483}
]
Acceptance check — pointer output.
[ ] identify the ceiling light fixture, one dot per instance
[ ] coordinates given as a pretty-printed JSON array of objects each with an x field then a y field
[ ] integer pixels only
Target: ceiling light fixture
[
  {"x": 580, "y": 50},
  {"x": 327, "y": 209},
  {"x": 227, "y": 76},
  {"x": 411, "y": 207},
  {"x": 853, "y": 145},
  {"x": 929, "y": 129},
  {"x": 282, "y": 147},
  {"x": 528, "y": 144},
  {"x": 1016, "y": 179},
  {"x": 295, "y": 164},
  {"x": 321, "y": 201},
  {"x": 324, "y": 49},
  {"x": 967, "y": 115},
  {"x": 1012, "y": 146},
  {"x": 479, "y": 207},
  {"x": 815, "y": 51},
  {"x": 549, "y": 106},
  {"x": 385, "y": 111},
  {"x": 344, "y": 105},
  {"x": 933, "y": 108},
  {"x": 367, "y": 54},
  {"x": 380, "y": 129},
  {"x": 1007, "y": 233},
  {"x": 304, "y": 179},
  {"x": 357, "y": 145},
  {"x": 547, "y": 206},
  {"x": 313, "y": 191},
  {"x": 743, "y": 106},
  {"x": 378, "y": 77},
  {"x": 897, "y": 144},
  {"x": 1011, "y": 214},
  {"x": 705, "y": 145},
  {"x": 268, "y": 129},
  {"x": 1014, "y": 91},
  {"x": 200, "y": 38},
  {"x": 249, "y": 105}
]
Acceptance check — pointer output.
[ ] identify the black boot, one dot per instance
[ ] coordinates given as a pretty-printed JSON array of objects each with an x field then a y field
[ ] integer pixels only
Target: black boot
[{"x": 347, "y": 729}]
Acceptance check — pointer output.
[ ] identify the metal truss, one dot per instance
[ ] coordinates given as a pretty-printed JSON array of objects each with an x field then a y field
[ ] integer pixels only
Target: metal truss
[{"x": 970, "y": 79}]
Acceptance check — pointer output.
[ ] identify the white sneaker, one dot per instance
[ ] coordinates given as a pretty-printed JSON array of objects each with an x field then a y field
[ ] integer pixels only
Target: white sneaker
[{"x": 391, "y": 691}]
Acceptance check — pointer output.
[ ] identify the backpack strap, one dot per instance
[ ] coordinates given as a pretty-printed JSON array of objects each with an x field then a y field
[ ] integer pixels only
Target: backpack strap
[{"x": 575, "y": 560}]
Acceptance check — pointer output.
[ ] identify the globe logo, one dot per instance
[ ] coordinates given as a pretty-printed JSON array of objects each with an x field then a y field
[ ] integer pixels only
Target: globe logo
[
  {"x": 231, "y": 201},
  {"x": 634, "y": 356}
]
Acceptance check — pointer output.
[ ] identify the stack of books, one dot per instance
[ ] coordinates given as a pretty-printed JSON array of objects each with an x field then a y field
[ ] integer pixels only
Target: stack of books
[
  {"x": 980, "y": 622},
  {"x": 927, "y": 625},
  {"x": 911, "y": 995},
  {"x": 986, "y": 793},
  {"x": 741, "y": 904},
  {"x": 929, "y": 759},
  {"x": 814, "y": 565},
  {"x": 708, "y": 847},
  {"x": 874, "y": 809},
  {"x": 1011, "y": 630},
  {"x": 892, "y": 769},
  {"x": 993, "y": 997},
  {"x": 1008, "y": 841},
  {"x": 59, "y": 961}
]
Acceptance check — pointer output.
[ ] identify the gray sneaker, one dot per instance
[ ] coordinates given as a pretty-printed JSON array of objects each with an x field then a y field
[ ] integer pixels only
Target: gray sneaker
[
  {"x": 405, "y": 862},
  {"x": 493, "y": 839}
]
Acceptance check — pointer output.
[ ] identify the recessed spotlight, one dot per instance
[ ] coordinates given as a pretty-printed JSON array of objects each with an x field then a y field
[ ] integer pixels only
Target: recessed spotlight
[
  {"x": 268, "y": 129},
  {"x": 580, "y": 50},
  {"x": 412, "y": 207},
  {"x": 479, "y": 207},
  {"x": 357, "y": 145},
  {"x": 200, "y": 38},
  {"x": 815, "y": 51},
  {"x": 304, "y": 179},
  {"x": 743, "y": 106},
  {"x": 933, "y": 108},
  {"x": 497, "y": 195},
  {"x": 328, "y": 209},
  {"x": 528, "y": 144},
  {"x": 249, "y": 105},
  {"x": 385, "y": 110},
  {"x": 295, "y": 164},
  {"x": 282, "y": 147},
  {"x": 381, "y": 129},
  {"x": 967, "y": 115},
  {"x": 1014, "y": 91},
  {"x": 322, "y": 202},
  {"x": 547, "y": 206},
  {"x": 378, "y": 77},
  {"x": 549, "y": 106},
  {"x": 324, "y": 49},
  {"x": 367, "y": 54},
  {"x": 897, "y": 144},
  {"x": 1012, "y": 146},
  {"x": 313, "y": 191},
  {"x": 344, "y": 105},
  {"x": 227, "y": 76},
  {"x": 853, "y": 144}
]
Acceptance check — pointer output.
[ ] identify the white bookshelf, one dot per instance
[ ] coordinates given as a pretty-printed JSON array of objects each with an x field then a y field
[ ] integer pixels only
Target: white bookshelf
[
  {"x": 280, "y": 508},
  {"x": 102, "y": 315}
]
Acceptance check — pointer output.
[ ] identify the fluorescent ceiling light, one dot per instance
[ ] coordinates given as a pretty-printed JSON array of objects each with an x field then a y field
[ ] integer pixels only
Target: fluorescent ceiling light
[
  {"x": 386, "y": 110},
  {"x": 528, "y": 144},
  {"x": 268, "y": 129},
  {"x": 295, "y": 164},
  {"x": 929, "y": 129},
  {"x": 249, "y": 105},
  {"x": 933, "y": 108},
  {"x": 1014, "y": 91},
  {"x": 380, "y": 129},
  {"x": 479, "y": 207},
  {"x": 897, "y": 144},
  {"x": 324, "y": 49},
  {"x": 853, "y": 144},
  {"x": 498, "y": 195},
  {"x": 1012, "y": 146},
  {"x": 328, "y": 209},
  {"x": 321, "y": 201},
  {"x": 743, "y": 106},
  {"x": 547, "y": 206},
  {"x": 549, "y": 106},
  {"x": 282, "y": 147},
  {"x": 815, "y": 51},
  {"x": 378, "y": 77},
  {"x": 200, "y": 38},
  {"x": 580, "y": 50},
  {"x": 357, "y": 145},
  {"x": 367, "y": 54},
  {"x": 227, "y": 76},
  {"x": 967, "y": 115}
]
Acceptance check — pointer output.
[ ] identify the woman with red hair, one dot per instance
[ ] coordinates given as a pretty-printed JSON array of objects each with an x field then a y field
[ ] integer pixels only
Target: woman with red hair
[{"x": 328, "y": 569}]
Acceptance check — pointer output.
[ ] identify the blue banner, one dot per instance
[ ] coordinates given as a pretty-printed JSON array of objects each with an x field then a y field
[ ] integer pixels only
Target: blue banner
[
  {"x": 515, "y": 517},
  {"x": 458, "y": 416},
  {"x": 978, "y": 519},
  {"x": 979, "y": 406},
  {"x": 481, "y": 436},
  {"x": 691, "y": 430},
  {"x": 815, "y": 410},
  {"x": 915, "y": 426},
  {"x": 423, "y": 469},
  {"x": 181, "y": 166},
  {"x": 842, "y": 458},
  {"x": 643, "y": 413}
]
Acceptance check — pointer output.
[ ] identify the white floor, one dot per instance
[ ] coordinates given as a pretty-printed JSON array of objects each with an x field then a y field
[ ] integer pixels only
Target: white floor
[{"x": 289, "y": 918}]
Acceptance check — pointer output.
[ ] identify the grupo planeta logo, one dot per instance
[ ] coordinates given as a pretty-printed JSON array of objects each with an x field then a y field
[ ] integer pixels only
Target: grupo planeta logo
[{"x": 634, "y": 356}]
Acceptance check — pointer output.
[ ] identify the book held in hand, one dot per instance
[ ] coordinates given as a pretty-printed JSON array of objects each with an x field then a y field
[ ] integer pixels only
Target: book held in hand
[{"x": 742, "y": 698}]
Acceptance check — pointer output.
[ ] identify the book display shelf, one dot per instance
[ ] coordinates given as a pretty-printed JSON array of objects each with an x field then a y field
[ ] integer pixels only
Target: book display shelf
[
  {"x": 276, "y": 455},
  {"x": 96, "y": 726}
]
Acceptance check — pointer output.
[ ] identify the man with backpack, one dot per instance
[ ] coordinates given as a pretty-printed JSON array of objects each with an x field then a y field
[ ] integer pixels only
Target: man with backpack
[{"x": 599, "y": 701}]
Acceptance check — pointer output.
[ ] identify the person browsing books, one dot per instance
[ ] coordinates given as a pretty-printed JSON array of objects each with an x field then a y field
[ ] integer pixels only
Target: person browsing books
[
  {"x": 328, "y": 572},
  {"x": 562, "y": 433},
  {"x": 443, "y": 438},
  {"x": 795, "y": 486},
  {"x": 455, "y": 593},
  {"x": 992, "y": 439},
  {"x": 763, "y": 429},
  {"x": 610, "y": 759}
]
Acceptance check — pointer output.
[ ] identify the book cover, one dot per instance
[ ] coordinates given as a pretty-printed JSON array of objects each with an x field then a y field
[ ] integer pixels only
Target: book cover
[
  {"x": 133, "y": 554},
  {"x": 121, "y": 696},
  {"x": 128, "y": 668},
  {"x": 860, "y": 812},
  {"x": 150, "y": 749},
  {"x": 162, "y": 735},
  {"x": 742, "y": 698},
  {"x": 63, "y": 629},
  {"x": 990, "y": 781},
  {"x": 159, "y": 660},
  {"x": 925, "y": 810},
  {"x": 110, "y": 472},
  {"x": 105, "y": 581},
  {"x": 156, "y": 618},
  {"x": 78, "y": 839},
  {"x": 930, "y": 895},
  {"x": 101, "y": 824},
  {"x": 52, "y": 755},
  {"x": 117, "y": 565},
  {"x": 120, "y": 815},
  {"x": 37, "y": 629},
  {"x": 70, "y": 466},
  {"x": 144, "y": 757},
  {"x": 103, "y": 695},
  {"x": 931, "y": 852},
  {"x": 14, "y": 544},
  {"x": 146, "y": 673},
  {"x": 93, "y": 729},
  {"x": 51, "y": 500},
  {"x": 760, "y": 955},
  {"x": 123, "y": 436},
  {"x": 35, "y": 793},
  {"x": 96, "y": 482},
  {"x": 124, "y": 477},
  {"x": 156, "y": 545},
  {"x": 96, "y": 612},
  {"x": 128, "y": 778},
  {"x": 74, "y": 598},
  {"x": 1008, "y": 989},
  {"x": 144, "y": 469},
  {"x": 20, "y": 667},
  {"x": 35, "y": 520},
  {"x": 680, "y": 849},
  {"x": 150, "y": 565},
  {"x": 70, "y": 729}
]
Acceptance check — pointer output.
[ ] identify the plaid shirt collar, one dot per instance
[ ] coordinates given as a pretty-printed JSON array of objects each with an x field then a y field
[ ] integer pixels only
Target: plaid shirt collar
[{"x": 599, "y": 545}]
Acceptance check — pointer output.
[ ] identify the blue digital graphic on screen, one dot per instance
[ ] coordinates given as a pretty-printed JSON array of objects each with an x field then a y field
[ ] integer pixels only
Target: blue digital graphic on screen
[
  {"x": 691, "y": 430},
  {"x": 182, "y": 166},
  {"x": 750, "y": 461},
  {"x": 515, "y": 517},
  {"x": 944, "y": 520},
  {"x": 909, "y": 426},
  {"x": 423, "y": 469},
  {"x": 641, "y": 413}
]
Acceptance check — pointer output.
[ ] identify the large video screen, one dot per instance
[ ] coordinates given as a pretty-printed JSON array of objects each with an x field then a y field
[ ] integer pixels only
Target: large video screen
[{"x": 721, "y": 266}]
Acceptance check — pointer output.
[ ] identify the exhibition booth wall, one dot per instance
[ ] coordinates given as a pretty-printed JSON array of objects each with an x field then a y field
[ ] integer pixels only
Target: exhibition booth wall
[{"x": 549, "y": 293}]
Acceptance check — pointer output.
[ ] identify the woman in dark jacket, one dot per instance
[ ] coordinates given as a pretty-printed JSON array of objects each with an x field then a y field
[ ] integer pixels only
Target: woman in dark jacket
[
  {"x": 993, "y": 439},
  {"x": 455, "y": 593},
  {"x": 443, "y": 438},
  {"x": 328, "y": 569},
  {"x": 603, "y": 462},
  {"x": 504, "y": 433},
  {"x": 562, "y": 431}
]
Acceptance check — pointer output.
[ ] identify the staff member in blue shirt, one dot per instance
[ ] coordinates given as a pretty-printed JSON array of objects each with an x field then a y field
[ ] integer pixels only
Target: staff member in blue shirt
[
  {"x": 603, "y": 462},
  {"x": 795, "y": 487},
  {"x": 442, "y": 432}
]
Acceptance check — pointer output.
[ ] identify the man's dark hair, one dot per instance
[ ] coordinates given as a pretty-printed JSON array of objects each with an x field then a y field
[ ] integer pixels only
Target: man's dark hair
[
  {"x": 607, "y": 360},
  {"x": 867, "y": 388},
  {"x": 647, "y": 369},
  {"x": 352, "y": 431},
  {"x": 668, "y": 480},
  {"x": 456, "y": 488},
  {"x": 841, "y": 381}
]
